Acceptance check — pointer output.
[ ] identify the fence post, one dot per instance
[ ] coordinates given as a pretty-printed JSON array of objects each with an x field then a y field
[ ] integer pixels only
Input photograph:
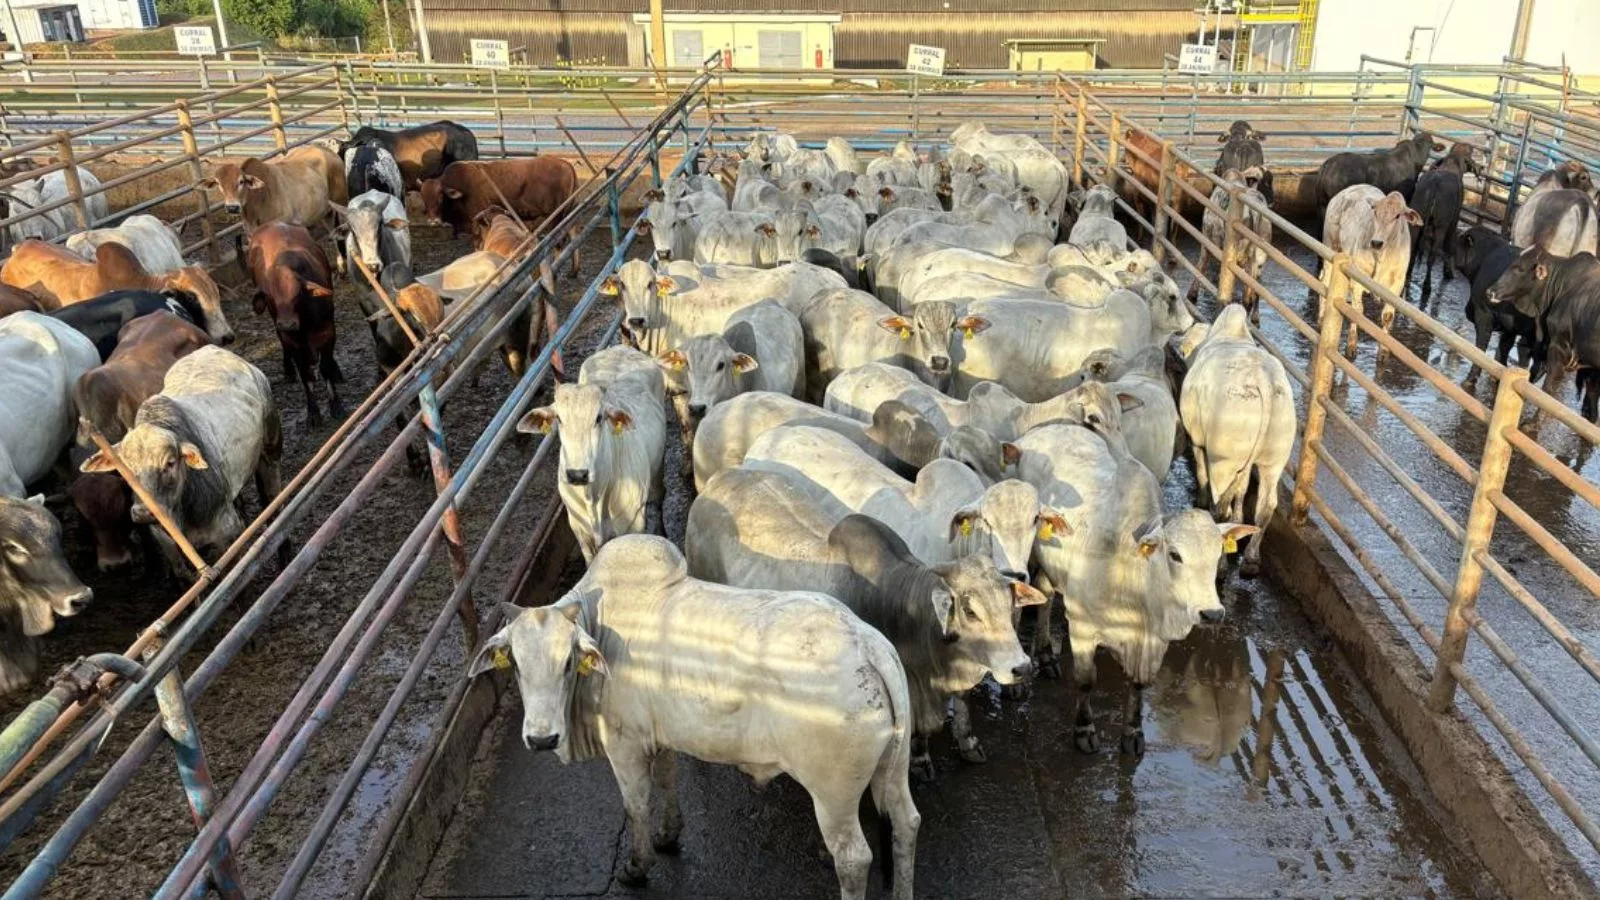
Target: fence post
[
  {"x": 1169, "y": 160},
  {"x": 916, "y": 107},
  {"x": 1230, "y": 246},
  {"x": 70, "y": 173},
  {"x": 450, "y": 523},
  {"x": 355, "y": 96},
  {"x": 191, "y": 149},
  {"x": 499, "y": 113},
  {"x": 1329, "y": 329},
  {"x": 338, "y": 89},
  {"x": 1412, "y": 123},
  {"x": 275, "y": 110},
  {"x": 1113, "y": 151},
  {"x": 1515, "y": 189},
  {"x": 1079, "y": 137},
  {"x": 1505, "y": 415}
]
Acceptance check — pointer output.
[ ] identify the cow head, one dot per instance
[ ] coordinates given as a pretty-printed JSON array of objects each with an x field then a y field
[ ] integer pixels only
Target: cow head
[
  {"x": 1100, "y": 200},
  {"x": 1169, "y": 315},
  {"x": 237, "y": 182},
  {"x": 980, "y": 451},
  {"x": 980, "y": 638},
  {"x": 1577, "y": 176},
  {"x": 665, "y": 224},
  {"x": 550, "y": 653},
  {"x": 281, "y": 292},
  {"x": 703, "y": 372},
  {"x": 1392, "y": 221},
  {"x": 1524, "y": 281},
  {"x": 1182, "y": 552},
  {"x": 435, "y": 198},
  {"x": 642, "y": 291},
  {"x": 105, "y": 503},
  {"x": 36, "y": 584},
  {"x": 797, "y": 231},
  {"x": 367, "y": 218},
  {"x": 1099, "y": 408},
  {"x": 590, "y": 429},
  {"x": 1002, "y": 526},
  {"x": 198, "y": 283},
  {"x": 1240, "y": 130},
  {"x": 160, "y": 458},
  {"x": 926, "y": 337}
]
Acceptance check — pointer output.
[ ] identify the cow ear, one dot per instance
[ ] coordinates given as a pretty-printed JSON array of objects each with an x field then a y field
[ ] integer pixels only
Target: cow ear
[
  {"x": 611, "y": 287},
  {"x": 944, "y": 607},
  {"x": 813, "y": 232},
  {"x": 1231, "y": 533},
  {"x": 620, "y": 420},
  {"x": 452, "y": 193},
  {"x": 209, "y": 184},
  {"x": 341, "y": 210},
  {"x": 398, "y": 224},
  {"x": 665, "y": 285},
  {"x": 258, "y": 303},
  {"x": 1128, "y": 402},
  {"x": 896, "y": 324},
  {"x": 971, "y": 325},
  {"x": 494, "y": 654},
  {"x": 851, "y": 193},
  {"x": 538, "y": 421},
  {"x": 590, "y": 661},
  {"x": 744, "y": 363},
  {"x": 99, "y": 462},
  {"x": 886, "y": 193},
  {"x": 672, "y": 361},
  {"x": 765, "y": 229},
  {"x": 1010, "y": 454},
  {"x": 1026, "y": 595},
  {"x": 192, "y": 457},
  {"x": 1222, "y": 139},
  {"x": 317, "y": 290},
  {"x": 1051, "y": 523},
  {"x": 1413, "y": 217},
  {"x": 961, "y": 524},
  {"x": 1541, "y": 271}
]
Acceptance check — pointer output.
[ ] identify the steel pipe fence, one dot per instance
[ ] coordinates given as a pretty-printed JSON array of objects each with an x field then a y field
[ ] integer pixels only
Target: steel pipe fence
[
  {"x": 433, "y": 371},
  {"x": 1097, "y": 132}
]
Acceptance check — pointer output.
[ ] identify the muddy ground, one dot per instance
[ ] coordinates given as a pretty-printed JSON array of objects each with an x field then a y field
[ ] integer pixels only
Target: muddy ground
[{"x": 130, "y": 851}]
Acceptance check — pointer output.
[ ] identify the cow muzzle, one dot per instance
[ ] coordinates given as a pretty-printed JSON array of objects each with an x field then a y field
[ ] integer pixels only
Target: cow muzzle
[
  {"x": 1377, "y": 245},
  {"x": 289, "y": 324},
  {"x": 1213, "y": 616},
  {"x": 1024, "y": 671},
  {"x": 232, "y": 208},
  {"x": 635, "y": 324},
  {"x": 664, "y": 255},
  {"x": 540, "y": 742},
  {"x": 939, "y": 364},
  {"x": 578, "y": 477},
  {"x": 697, "y": 411},
  {"x": 140, "y": 514},
  {"x": 72, "y": 603}
]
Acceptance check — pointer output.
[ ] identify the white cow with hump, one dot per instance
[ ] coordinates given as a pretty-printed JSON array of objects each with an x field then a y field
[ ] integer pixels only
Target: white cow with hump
[
  {"x": 662, "y": 309},
  {"x": 41, "y": 360},
  {"x": 639, "y": 661},
  {"x": 1132, "y": 579},
  {"x": 153, "y": 242},
  {"x": 1238, "y": 407},
  {"x": 613, "y": 434},
  {"x": 761, "y": 349}
]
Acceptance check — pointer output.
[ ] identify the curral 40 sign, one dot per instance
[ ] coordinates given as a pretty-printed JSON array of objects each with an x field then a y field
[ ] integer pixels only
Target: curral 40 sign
[{"x": 490, "y": 54}]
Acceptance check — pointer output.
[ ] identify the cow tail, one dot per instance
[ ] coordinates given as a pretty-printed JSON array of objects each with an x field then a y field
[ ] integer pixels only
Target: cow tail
[{"x": 897, "y": 756}]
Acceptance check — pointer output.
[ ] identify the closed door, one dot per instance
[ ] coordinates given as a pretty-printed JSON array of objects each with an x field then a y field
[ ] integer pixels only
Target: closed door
[
  {"x": 688, "y": 48},
  {"x": 779, "y": 49}
]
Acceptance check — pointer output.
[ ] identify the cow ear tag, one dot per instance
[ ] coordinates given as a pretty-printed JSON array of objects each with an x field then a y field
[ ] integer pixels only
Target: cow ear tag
[
  {"x": 501, "y": 659},
  {"x": 1230, "y": 544},
  {"x": 966, "y": 528},
  {"x": 616, "y": 426},
  {"x": 1047, "y": 531},
  {"x": 967, "y": 333},
  {"x": 585, "y": 664}
]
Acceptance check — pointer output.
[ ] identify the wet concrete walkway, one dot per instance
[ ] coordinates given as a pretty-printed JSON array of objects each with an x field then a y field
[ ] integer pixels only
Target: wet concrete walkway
[{"x": 1326, "y": 805}]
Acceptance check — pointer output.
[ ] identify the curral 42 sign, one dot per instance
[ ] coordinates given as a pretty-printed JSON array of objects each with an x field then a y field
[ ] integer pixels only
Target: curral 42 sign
[
  {"x": 922, "y": 60},
  {"x": 195, "y": 40},
  {"x": 490, "y": 54},
  {"x": 1197, "y": 59}
]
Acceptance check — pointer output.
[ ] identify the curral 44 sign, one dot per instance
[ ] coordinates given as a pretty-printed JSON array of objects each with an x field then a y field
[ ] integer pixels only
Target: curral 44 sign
[
  {"x": 1197, "y": 59},
  {"x": 490, "y": 54},
  {"x": 922, "y": 60},
  {"x": 195, "y": 40}
]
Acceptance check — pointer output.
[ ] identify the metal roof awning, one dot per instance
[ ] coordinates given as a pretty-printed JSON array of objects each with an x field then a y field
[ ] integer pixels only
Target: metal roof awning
[{"x": 1053, "y": 42}]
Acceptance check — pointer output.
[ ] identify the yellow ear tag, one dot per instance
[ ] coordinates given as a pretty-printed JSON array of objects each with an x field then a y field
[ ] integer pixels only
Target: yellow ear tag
[
  {"x": 966, "y": 528},
  {"x": 616, "y": 426},
  {"x": 501, "y": 659},
  {"x": 1229, "y": 544},
  {"x": 1047, "y": 531},
  {"x": 585, "y": 664},
  {"x": 967, "y": 332},
  {"x": 1146, "y": 549},
  {"x": 905, "y": 334}
]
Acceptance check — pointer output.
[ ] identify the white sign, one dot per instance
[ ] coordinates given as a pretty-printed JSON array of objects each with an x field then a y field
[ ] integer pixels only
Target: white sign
[
  {"x": 195, "y": 40},
  {"x": 491, "y": 54},
  {"x": 1197, "y": 59},
  {"x": 922, "y": 60}
]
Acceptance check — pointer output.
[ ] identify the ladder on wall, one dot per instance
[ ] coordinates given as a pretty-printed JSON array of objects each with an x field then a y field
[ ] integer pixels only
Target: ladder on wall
[{"x": 1305, "y": 35}]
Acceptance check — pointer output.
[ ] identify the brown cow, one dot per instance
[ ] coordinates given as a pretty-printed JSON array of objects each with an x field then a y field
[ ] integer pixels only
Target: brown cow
[
  {"x": 15, "y": 299},
  {"x": 499, "y": 232},
  {"x": 294, "y": 284},
  {"x": 422, "y": 151},
  {"x": 295, "y": 187},
  {"x": 108, "y": 398},
  {"x": 1149, "y": 175},
  {"x": 535, "y": 188},
  {"x": 58, "y": 277}
]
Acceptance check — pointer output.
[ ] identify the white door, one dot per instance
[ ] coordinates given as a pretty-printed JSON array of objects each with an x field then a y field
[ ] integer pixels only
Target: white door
[
  {"x": 688, "y": 47},
  {"x": 779, "y": 49}
]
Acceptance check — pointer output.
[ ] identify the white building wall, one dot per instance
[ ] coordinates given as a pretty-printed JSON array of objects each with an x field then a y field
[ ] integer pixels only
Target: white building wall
[
  {"x": 1466, "y": 31},
  {"x": 1569, "y": 28}
]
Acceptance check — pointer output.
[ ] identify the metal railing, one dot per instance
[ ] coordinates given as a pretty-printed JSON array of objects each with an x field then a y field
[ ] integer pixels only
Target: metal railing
[
  {"x": 1096, "y": 133},
  {"x": 435, "y": 369}
]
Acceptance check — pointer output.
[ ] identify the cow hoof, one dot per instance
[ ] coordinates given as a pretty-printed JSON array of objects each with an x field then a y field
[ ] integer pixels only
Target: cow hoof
[
  {"x": 975, "y": 754},
  {"x": 1051, "y": 669},
  {"x": 1086, "y": 739},
  {"x": 922, "y": 770},
  {"x": 633, "y": 874},
  {"x": 667, "y": 844},
  {"x": 1133, "y": 744}
]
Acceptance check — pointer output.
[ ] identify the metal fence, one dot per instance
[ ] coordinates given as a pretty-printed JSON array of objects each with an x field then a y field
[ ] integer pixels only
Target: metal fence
[
  {"x": 435, "y": 370},
  {"x": 1096, "y": 133}
]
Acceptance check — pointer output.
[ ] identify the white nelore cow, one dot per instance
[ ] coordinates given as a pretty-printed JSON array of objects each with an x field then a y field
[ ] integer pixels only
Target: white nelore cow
[
  {"x": 1375, "y": 230},
  {"x": 738, "y": 238},
  {"x": 661, "y": 310},
  {"x": 25, "y": 197},
  {"x": 848, "y": 328},
  {"x": 946, "y": 513},
  {"x": 153, "y": 242},
  {"x": 639, "y": 661},
  {"x": 761, "y": 349},
  {"x": 613, "y": 434},
  {"x": 858, "y": 391},
  {"x": 1097, "y": 226},
  {"x": 1151, "y": 428},
  {"x": 1037, "y": 169},
  {"x": 213, "y": 428},
  {"x": 1132, "y": 579},
  {"x": 1238, "y": 408},
  {"x": 950, "y": 622},
  {"x": 1247, "y": 255},
  {"x": 41, "y": 360},
  {"x": 674, "y": 224}
]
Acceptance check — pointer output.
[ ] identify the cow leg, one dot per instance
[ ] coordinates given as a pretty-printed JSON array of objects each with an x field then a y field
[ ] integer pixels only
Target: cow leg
[
  {"x": 1448, "y": 252},
  {"x": 1202, "y": 473},
  {"x": 891, "y": 794},
  {"x": 1589, "y": 388},
  {"x": 573, "y": 235},
  {"x": 303, "y": 370},
  {"x": 838, "y": 815},
  {"x": 666, "y": 783},
  {"x": 1084, "y": 736},
  {"x": 1266, "y": 507},
  {"x": 328, "y": 365},
  {"x": 961, "y": 729},
  {"x": 1133, "y": 721},
  {"x": 1482, "y": 328},
  {"x": 550, "y": 327},
  {"x": 631, "y": 766},
  {"x": 1194, "y": 283},
  {"x": 921, "y": 759}
]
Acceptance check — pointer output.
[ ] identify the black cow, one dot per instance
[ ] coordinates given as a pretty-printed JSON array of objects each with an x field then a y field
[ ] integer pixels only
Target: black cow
[
  {"x": 371, "y": 166},
  {"x": 102, "y": 318},
  {"x": 1562, "y": 295},
  {"x": 1483, "y": 256},
  {"x": 422, "y": 152},
  {"x": 36, "y": 587},
  {"x": 1438, "y": 200},
  {"x": 1394, "y": 169},
  {"x": 1241, "y": 148}
]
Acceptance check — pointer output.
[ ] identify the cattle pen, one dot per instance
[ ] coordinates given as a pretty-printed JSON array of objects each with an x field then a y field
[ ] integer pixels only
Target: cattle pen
[{"x": 1388, "y": 559}]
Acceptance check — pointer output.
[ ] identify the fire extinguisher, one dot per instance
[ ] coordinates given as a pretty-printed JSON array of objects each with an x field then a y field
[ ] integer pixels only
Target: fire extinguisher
[
  {"x": 727, "y": 57},
  {"x": 819, "y": 56}
]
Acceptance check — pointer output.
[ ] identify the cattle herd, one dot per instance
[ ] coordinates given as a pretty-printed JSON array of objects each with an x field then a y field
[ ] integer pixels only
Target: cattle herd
[
  {"x": 111, "y": 333},
  {"x": 920, "y": 395}
]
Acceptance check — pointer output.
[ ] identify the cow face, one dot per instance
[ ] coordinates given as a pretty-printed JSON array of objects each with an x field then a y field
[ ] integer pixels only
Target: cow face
[
  {"x": 1392, "y": 221},
  {"x": 160, "y": 460},
  {"x": 236, "y": 182},
  {"x": 981, "y": 639},
  {"x": 367, "y": 223},
  {"x": 642, "y": 292},
  {"x": 664, "y": 224},
  {"x": 1523, "y": 283},
  {"x": 1169, "y": 315},
  {"x": 703, "y": 372},
  {"x": 35, "y": 580},
  {"x": 551, "y": 655},
  {"x": 22, "y": 198},
  {"x": 926, "y": 337},
  {"x": 433, "y": 200},
  {"x": 197, "y": 282},
  {"x": 589, "y": 431},
  {"x": 281, "y": 293},
  {"x": 797, "y": 232},
  {"x": 1099, "y": 201},
  {"x": 978, "y": 450},
  {"x": 1183, "y": 552},
  {"x": 1003, "y": 525}
]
